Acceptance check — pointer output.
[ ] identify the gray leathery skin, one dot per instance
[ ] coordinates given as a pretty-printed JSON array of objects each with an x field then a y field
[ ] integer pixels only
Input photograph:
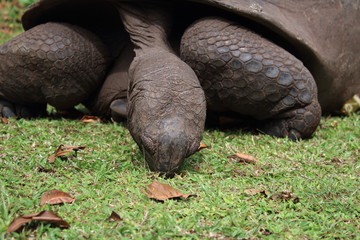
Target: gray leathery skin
[
  {"x": 166, "y": 104},
  {"x": 244, "y": 73},
  {"x": 114, "y": 88}
]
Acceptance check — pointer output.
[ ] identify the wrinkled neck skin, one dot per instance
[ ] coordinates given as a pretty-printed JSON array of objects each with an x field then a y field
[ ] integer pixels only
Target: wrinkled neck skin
[
  {"x": 147, "y": 25},
  {"x": 166, "y": 108}
]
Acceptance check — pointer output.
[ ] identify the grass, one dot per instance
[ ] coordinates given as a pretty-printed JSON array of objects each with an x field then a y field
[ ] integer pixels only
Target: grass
[
  {"x": 108, "y": 175},
  {"x": 10, "y": 18}
]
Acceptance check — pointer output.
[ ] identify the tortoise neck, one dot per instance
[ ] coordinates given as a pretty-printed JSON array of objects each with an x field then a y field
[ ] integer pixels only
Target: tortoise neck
[{"x": 148, "y": 27}]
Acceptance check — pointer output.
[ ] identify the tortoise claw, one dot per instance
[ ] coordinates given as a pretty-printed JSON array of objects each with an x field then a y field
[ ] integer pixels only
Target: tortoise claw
[
  {"x": 119, "y": 110},
  {"x": 10, "y": 110},
  {"x": 7, "y": 109},
  {"x": 294, "y": 124}
]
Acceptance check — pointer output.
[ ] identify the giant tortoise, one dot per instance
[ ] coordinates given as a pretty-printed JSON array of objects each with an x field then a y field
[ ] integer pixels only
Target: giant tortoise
[{"x": 165, "y": 64}]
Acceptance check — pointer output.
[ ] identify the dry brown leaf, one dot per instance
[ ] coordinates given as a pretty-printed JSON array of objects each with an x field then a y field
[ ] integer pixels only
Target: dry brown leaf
[
  {"x": 286, "y": 196},
  {"x": 19, "y": 222},
  {"x": 114, "y": 217},
  {"x": 51, "y": 159},
  {"x": 161, "y": 192},
  {"x": 335, "y": 124},
  {"x": 90, "y": 119},
  {"x": 252, "y": 192},
  {"x": 55, "y": 197},
  {"x": 4, "y": 120},
  {"x": 244, "y": 158},
  {"x": 202, "y": 146},
  {"x": 63, "y": 150},
  {"x": 46, "y": 216}
]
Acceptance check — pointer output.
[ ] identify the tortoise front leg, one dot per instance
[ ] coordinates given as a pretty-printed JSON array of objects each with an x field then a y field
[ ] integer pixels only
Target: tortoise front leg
[
  {"x": 111, "y": 99},
  {"x": 244, "y": 73},
  {"x": 53, "y": 63}
]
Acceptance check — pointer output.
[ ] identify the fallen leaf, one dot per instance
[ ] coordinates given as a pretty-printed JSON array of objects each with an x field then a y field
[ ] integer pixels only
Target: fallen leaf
[
  {"x": 352, "y": 105},
  {"x": 161, "y": 192},
  {"x": 4, "y": 120},
  {"x": 64, "y": 150},
  {"x": 335, "y": 124},
  {"x": 285, "y": 195},
  {"x": 252, "y": 192},
  {"x": 244, "y": 158},
  {"x": 19, "y": 222},
  {"x": 90, "y": 119},
  {"x": 202, "y": 146},
  {"x": 46, "y": 216},
  {"x": 114, "y": 217},
  {"x": 53, "y": 197}
]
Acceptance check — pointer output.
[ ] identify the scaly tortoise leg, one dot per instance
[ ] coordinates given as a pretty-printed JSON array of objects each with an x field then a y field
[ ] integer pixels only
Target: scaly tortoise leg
[
  {"x": 55, "y": 63},
  {"x": 111, "y": 99},
  {"x": 244, "y": 73}
]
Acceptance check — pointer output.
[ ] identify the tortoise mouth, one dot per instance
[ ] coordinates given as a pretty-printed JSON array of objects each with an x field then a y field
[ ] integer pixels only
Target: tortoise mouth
[
  {"x": 167, "y": 154},
  {"x": 164, "y": 168},
  {"x": 166, "y": 145}
]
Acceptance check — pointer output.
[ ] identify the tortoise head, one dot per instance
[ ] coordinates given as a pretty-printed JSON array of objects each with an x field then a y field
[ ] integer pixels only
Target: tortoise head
[
  {"x": 167, "y": 142},
  {"x": 166, "y": 111}
]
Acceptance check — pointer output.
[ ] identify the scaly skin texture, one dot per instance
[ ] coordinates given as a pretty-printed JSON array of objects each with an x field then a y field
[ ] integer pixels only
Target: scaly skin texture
[
  {"x": 114, "y": 88},
  {"x": 166, "y": 110},
  {"x": 244, "y": 73},
  {"x": 53, "y": 63}
]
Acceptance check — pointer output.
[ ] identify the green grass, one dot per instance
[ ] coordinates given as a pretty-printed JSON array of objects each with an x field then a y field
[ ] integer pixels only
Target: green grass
[
  {"x": 10, "y": 17},
  {"x": 110, "y": 172}
]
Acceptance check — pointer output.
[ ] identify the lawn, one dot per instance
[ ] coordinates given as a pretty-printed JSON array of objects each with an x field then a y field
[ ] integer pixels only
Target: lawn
[{"x": 294, "y": 190}]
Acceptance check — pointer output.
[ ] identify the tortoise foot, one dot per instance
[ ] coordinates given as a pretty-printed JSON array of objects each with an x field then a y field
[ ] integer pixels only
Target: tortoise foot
[
  {"x": 294, "y": 124},
  {"x": 7, "y": 109},
  {"x": 118, "y": 109},
  {"x": 10, "y": 110}
]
